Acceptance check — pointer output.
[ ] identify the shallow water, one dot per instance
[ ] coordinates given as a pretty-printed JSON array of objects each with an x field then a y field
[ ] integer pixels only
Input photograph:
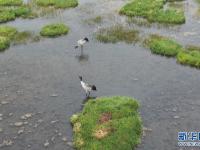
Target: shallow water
[{"x": 42, "y": 78}]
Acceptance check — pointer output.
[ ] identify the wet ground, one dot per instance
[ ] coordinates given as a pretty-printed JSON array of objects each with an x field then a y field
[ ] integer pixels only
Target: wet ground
[{"x": 40, "y": 89}]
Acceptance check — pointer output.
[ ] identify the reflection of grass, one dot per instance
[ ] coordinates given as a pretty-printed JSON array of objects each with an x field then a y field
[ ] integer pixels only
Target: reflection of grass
[
  {"x": 191, "y": 58},
  {"x": 117, "y": 33},
  {"x": 10, "y": 2},
  {"x": 163, "y": 46},
  {"x": 107, "y": 123},
  {"x": 153, "y": 11},
  {"x": 54, "y": 30},
  {"x": 58, "y": 3}
]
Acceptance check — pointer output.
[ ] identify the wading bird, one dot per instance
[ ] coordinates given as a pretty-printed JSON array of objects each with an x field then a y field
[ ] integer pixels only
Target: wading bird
[
  {"x": 87, "y": 88},
  {"x": 81, "y": 42}
]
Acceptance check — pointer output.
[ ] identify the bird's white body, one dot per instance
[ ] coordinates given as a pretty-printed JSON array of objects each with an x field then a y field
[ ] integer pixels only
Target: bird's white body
[
  {"x": 81, "y": 42},
  {"x": 86, "y": 87}
]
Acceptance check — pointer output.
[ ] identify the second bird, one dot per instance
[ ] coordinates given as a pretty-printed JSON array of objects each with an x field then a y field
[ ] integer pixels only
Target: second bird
[{"x": 87, "y": 88}]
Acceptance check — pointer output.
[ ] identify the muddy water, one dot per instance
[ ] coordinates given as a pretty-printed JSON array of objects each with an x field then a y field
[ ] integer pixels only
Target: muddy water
[{"x": 42, "y": 79}]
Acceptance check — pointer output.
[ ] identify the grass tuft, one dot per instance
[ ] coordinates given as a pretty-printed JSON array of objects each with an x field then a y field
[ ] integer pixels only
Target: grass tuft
[
  {"x": 54, "y": 30},
  {"x": 6, "y": 15},
  {"x": 58, "y": 3},
  {"x": 153, "y": 11},
  {"x": 117, "y": 33},
  {"x": 163, "y": 46},
  {"x": 11, "y": 2},
  {"x": 191, "y": 58},
  {"x": 108, "y": 123}
]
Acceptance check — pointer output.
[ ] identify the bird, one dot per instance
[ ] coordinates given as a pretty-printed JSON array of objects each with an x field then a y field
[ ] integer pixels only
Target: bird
[
  {"x": 87, "y": 88},
  {"x": 81, "y": 42}
]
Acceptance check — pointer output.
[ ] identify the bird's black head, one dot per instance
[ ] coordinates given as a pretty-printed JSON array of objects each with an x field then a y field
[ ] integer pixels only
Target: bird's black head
[
  {"x": 80, "y": 77},
  {"x": 86, "y": 39},
  {"x": 94, "y": 88}
]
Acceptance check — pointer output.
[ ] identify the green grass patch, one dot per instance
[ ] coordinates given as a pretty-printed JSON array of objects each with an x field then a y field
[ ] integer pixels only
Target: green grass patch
[
  {"x": 108, "y": 123},
  {"x": 7, "y": 31},
  {"x": 11, "y": 2},
  {"x": 22, "y": 11},
  {"x": 153, "y": 11},
  {"x": 58, "y": 3},
  {"x": 191, "y": 58},
  {"x": 6, "y": 15},
  {"x": 54, "y": 30},
  {"x": 117, "y": 33},
  {"x": 4, "y": 43},
  {"x": 163, "y": 46}
]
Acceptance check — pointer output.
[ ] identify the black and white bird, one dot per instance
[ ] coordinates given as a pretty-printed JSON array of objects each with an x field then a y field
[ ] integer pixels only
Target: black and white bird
[
  {"x": 81, "y": 42},
  {"x": 87, "y": 88}
]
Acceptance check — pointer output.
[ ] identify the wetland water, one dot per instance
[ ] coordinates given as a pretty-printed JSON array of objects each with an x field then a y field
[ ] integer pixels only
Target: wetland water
[{"x": 42, "y": 79}]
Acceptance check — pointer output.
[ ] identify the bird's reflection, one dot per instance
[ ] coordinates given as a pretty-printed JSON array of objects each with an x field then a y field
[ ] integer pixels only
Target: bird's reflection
[{"x": 82, "y": 57}]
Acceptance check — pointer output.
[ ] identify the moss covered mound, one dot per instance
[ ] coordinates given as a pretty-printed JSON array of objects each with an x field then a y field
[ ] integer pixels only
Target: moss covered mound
[
  {"x": 108, "y": 123},
  {"x": 153, "y": 11},
  {"x": 11, "y": 2},
  {"x": 54, "y": 30},
  {"x": 6, "y": 15},
  {"x": 117, "y": 33},
  {"x": 7, "y": 31},
  {"x": 163, "y": 46},
  {"x": 22, "y": 11},
  {"x": 191, "y": 58},
  {"x": 4, "y": 43},
  {"x": 58, "y": 3}
]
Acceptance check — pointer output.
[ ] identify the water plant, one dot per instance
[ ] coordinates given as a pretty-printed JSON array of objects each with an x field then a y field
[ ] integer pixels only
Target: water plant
[
  {"x": 153, "y": 11},
  {"x": 191, "y": 58},
  {"x": 58, "y": 3},
  {"x": 163, "y": 46},
  {"x": 108, "y": 123},
  {"x": 193, "y": 48},
  {"x": 54, "y": 30},
  {"x": 117, "y": 33}
]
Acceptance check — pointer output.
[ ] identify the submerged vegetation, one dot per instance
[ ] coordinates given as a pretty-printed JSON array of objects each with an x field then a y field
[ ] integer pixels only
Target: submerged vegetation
[
  {"x": 10, "y": 35},
  {"x": 107, "y": 123},
  {"x": 117, "y": 33},
  {"x": 163, "y": 46},
  {"x": 95, "y": 20},
  {"x": 58, "y": 3},
  {"x": 54, "y": 30},
  {"x": 153, "y": 11}
]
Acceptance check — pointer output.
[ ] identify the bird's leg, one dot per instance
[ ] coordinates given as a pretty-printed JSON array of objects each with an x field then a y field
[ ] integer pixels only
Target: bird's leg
[
  {"x": 81, "y": 50},
  {"x": 88, "y": 94}
]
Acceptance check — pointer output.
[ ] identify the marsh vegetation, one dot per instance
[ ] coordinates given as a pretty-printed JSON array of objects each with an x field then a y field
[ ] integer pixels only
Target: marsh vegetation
[
  {"x": 54, "y": 30},
  {"x": 153, "y": 11},
  {"x": 116, "y": 34},
  {"x": 108, "y": 123}
]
